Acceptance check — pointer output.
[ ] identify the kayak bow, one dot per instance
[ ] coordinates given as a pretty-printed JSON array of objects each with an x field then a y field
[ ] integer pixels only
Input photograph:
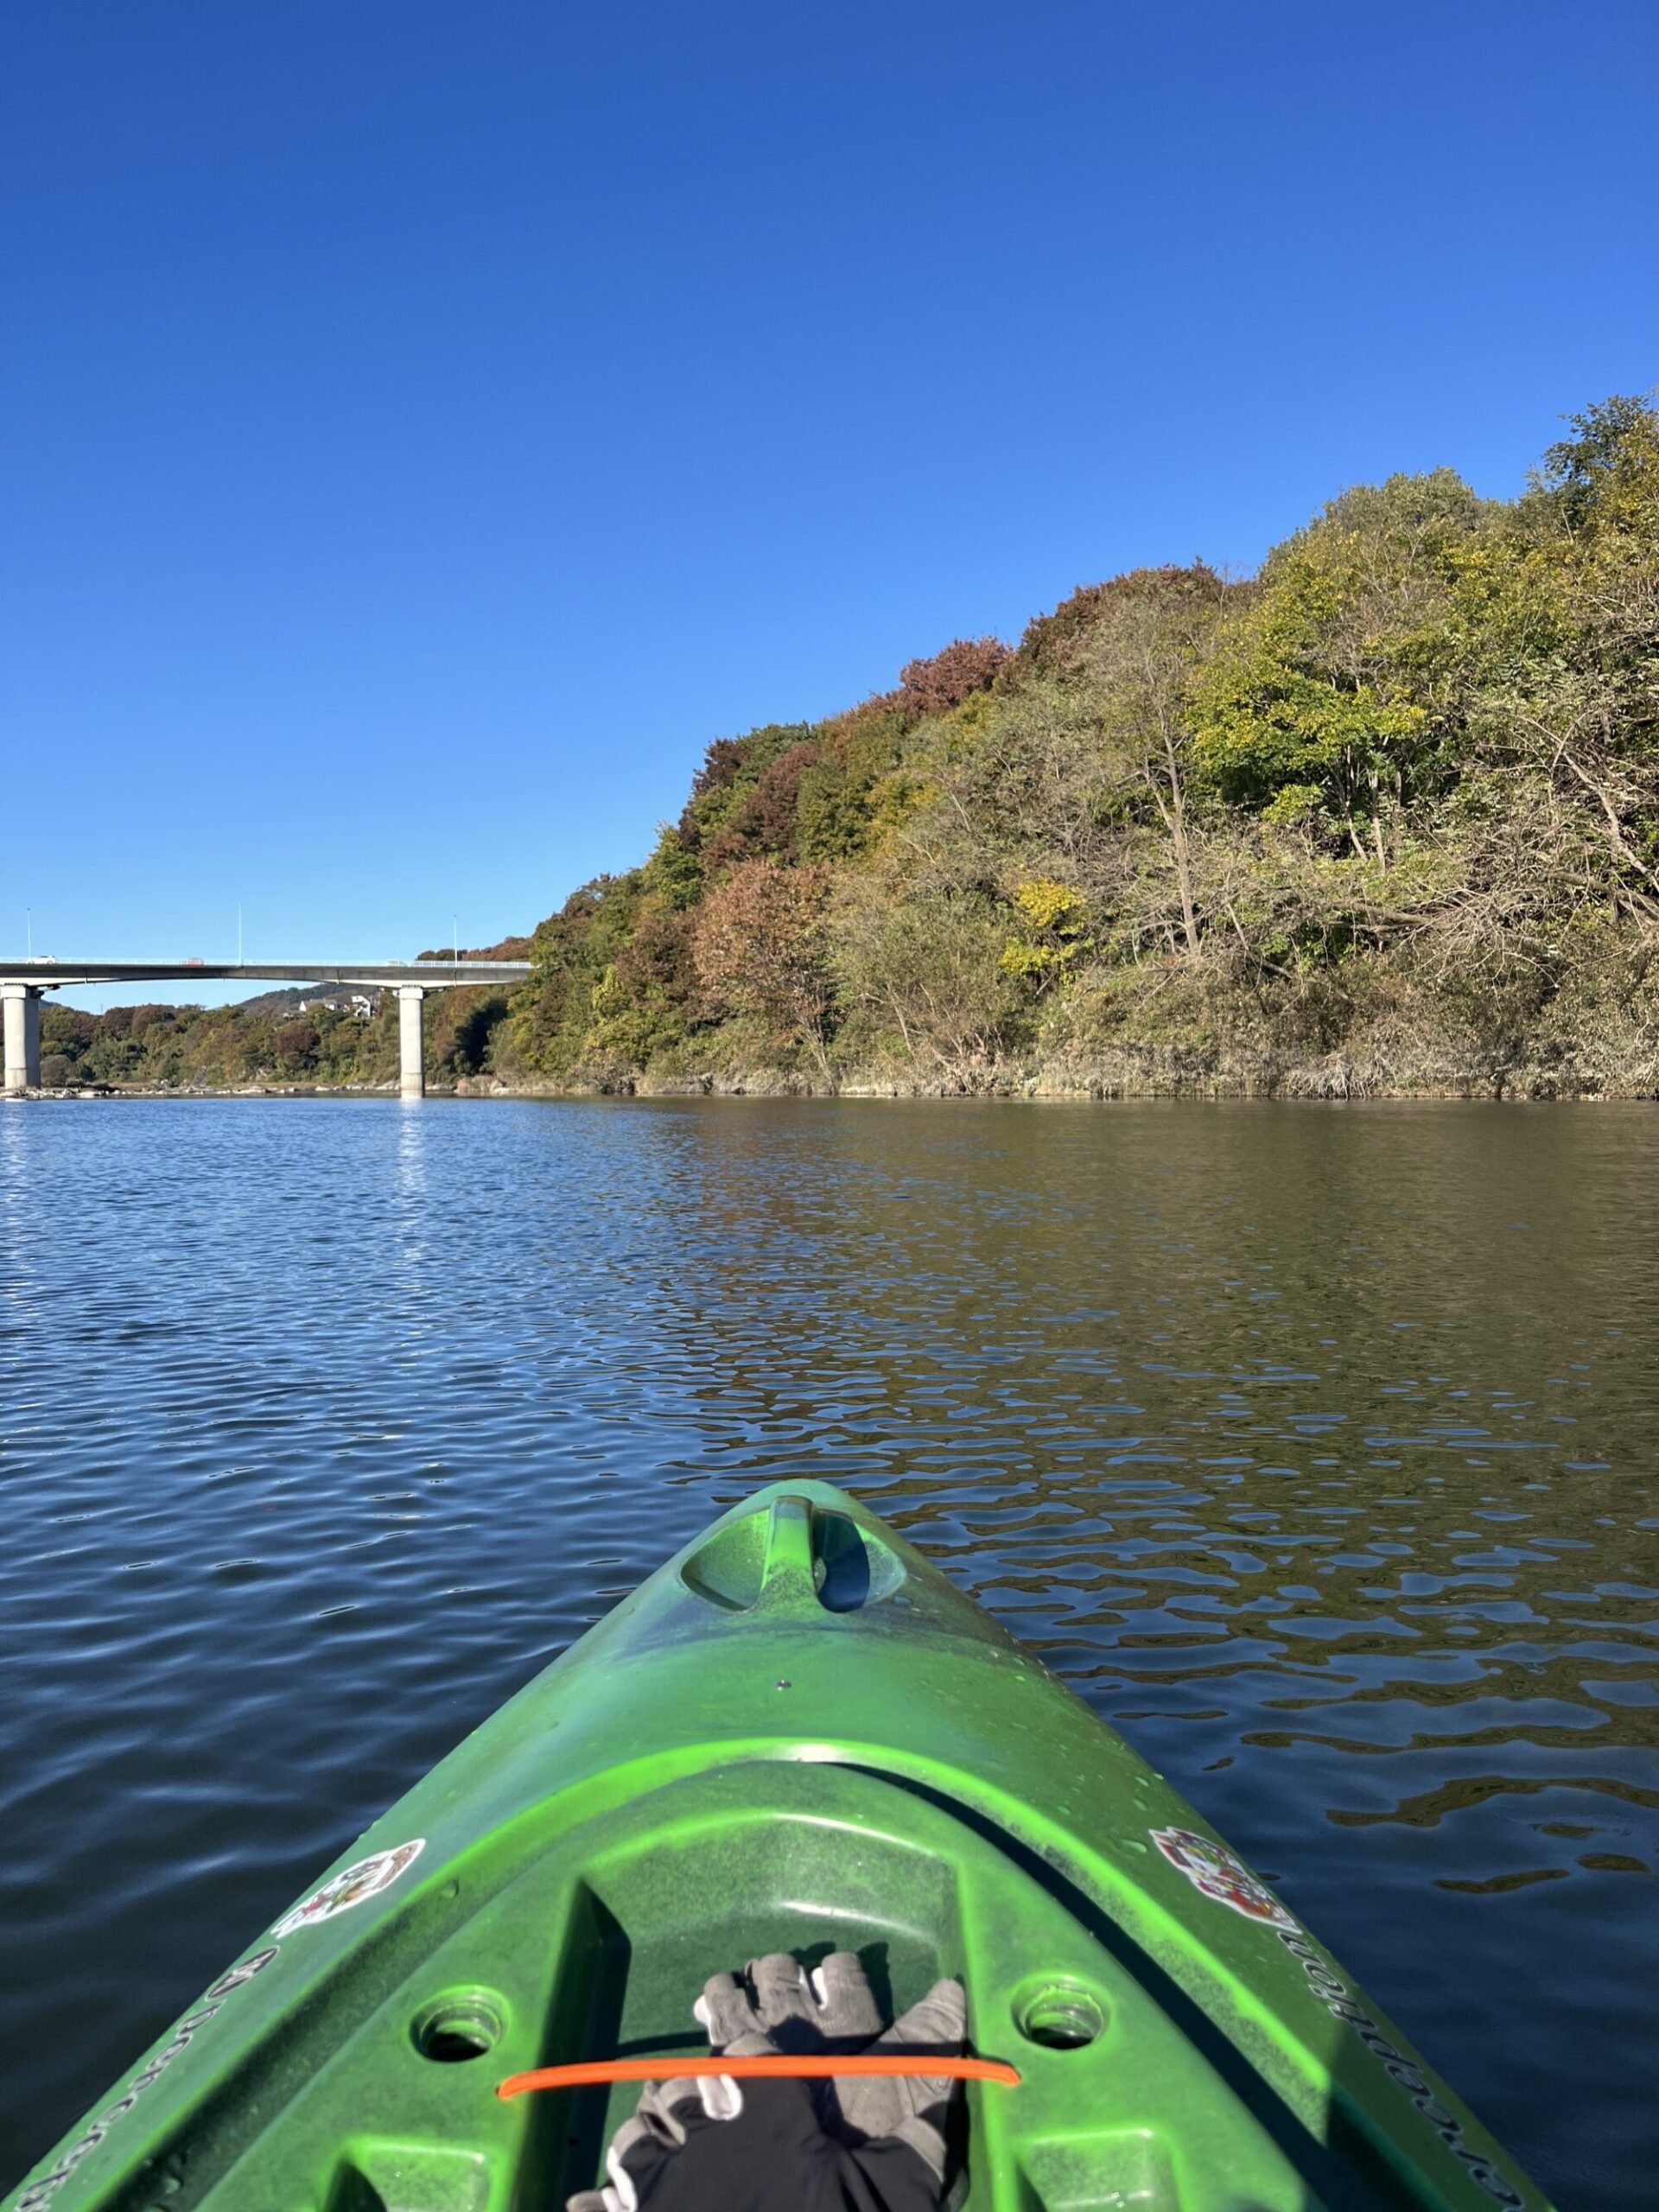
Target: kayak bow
[{"x": 796, "y": 1736}]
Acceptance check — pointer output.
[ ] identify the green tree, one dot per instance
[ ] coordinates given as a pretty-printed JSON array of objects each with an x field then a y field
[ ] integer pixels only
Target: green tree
[
  {"x": 1137, "y": 651},
  {"x": 1329, "y": 697},
  {"x": 927, "y": 981}
]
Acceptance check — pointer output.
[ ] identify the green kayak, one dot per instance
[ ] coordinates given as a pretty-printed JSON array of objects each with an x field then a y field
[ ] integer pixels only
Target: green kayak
[{"x": 796, "y": 1736}]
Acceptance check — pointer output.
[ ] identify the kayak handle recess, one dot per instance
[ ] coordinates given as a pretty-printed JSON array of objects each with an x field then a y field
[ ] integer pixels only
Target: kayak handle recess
[{"x": 772, "y": 2066}]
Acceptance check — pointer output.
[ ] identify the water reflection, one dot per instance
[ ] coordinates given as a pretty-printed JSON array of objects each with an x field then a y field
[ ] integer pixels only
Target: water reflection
[
  {"x": 412, "y": 1130},
  {"x": 17, "y": 1286},
  {"x": 1315, "y": 1447}
]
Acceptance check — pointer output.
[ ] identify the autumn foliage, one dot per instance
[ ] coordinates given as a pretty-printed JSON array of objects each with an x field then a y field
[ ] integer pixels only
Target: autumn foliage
[
  {"x": 966, "y": 666},
  {"x": 762, "y": 950},
  {"x": 1385, "y": 814}
]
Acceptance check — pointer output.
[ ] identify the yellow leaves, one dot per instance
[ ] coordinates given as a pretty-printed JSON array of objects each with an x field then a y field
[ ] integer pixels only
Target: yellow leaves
[
  {"x": 1055, "y": 909},
  {"x": 1019, "y": 959},
  {"x": 1048, "y": 905},
  {"x": 1293, "y": 802}
]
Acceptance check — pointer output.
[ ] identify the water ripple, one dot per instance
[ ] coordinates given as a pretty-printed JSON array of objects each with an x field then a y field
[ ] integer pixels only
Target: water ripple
[{"x": 1316, "y": 1447}]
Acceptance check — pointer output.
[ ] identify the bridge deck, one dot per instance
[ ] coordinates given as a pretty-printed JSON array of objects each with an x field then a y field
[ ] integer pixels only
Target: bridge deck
[{"x": 376, "y": 974}]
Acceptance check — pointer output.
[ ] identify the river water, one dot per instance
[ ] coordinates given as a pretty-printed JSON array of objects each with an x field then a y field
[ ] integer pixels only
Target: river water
[{"x": 1314, "y": 1445}]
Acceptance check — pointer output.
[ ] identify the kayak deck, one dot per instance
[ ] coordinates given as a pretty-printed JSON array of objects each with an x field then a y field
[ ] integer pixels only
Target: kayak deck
[{"x": 797, "y": 1736}]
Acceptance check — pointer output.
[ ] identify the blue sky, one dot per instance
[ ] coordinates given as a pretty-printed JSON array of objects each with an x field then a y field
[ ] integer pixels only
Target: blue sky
[{"x": 424, "y": 427}]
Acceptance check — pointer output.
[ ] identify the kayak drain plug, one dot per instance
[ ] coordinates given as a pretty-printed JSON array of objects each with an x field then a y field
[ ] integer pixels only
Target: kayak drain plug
[
  {"x": 1058, "y": 2015},
  {"x": 457, "y": 2027}
]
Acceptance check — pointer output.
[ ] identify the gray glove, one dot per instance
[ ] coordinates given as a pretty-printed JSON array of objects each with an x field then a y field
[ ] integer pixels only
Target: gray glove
[
  {"x": 666, "y": 2112},
  {"x": 855, "y": 2146},
  {"x": 780, "y": 2005}
]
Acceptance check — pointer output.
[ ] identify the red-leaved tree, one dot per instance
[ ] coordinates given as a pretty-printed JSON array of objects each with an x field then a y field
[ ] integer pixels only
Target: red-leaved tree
[
  {"x": 966, "y": 666},
  {"x": 761, "y": 951}
]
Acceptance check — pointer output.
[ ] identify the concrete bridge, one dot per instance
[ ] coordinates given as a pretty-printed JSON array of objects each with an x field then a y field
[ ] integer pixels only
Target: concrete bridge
[{"x": 21, "y": 983}]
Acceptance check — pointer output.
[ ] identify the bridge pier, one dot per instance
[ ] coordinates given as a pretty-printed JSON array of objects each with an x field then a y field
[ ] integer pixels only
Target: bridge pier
[
  {"x": 411, "y": 1058},
  {"x": 22, "y": 1027}
]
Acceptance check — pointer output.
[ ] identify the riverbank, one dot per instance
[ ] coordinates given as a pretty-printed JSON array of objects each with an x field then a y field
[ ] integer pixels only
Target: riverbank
[
  {"x": 111, "y": 1091},
  {"x": 1172, "y": 1077},
  {"x": 1378, "y": 1028},
  {"x": 1151, "y": 1074}
]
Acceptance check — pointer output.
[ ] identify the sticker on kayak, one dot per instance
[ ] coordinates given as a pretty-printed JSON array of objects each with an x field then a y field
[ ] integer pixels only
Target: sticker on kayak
[
  {"x": 1222, "y": 1874},
  {"x": 355, "y": 1886}
]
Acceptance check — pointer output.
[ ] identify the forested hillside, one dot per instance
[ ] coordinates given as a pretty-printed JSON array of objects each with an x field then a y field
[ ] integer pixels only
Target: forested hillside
[{"x": 1383, "y": 818}]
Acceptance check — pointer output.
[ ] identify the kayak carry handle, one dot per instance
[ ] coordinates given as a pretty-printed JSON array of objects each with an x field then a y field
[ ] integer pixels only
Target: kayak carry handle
[{"x": 771, "y": 2066}]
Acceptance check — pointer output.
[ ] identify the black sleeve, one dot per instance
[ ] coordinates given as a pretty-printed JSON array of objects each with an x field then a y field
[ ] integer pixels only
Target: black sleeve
[{"x": 775, "y": 2157}]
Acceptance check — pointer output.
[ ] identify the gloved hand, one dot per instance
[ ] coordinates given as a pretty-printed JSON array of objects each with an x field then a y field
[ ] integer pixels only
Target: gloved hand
[
  {"x": 702, "y": 2144},
  {"x": 834, "y": 2009},
  {"x": 663, "y": 2120}
]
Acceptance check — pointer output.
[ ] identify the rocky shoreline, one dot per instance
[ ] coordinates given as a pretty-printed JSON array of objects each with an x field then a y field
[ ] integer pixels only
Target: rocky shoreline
[{"x": 1119, "y": 1079}]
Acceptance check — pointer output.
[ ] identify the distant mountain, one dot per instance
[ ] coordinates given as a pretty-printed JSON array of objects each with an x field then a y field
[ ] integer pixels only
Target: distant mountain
[{"x": 283, "y": 1005}]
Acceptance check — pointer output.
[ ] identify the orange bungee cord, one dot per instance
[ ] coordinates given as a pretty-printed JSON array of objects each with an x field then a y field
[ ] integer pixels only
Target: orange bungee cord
[{"x": 772, "y": 2066}]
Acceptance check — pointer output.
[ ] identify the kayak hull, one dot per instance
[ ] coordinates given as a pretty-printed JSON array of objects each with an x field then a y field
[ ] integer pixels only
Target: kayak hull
[{"x": 798, "y": 1735}]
